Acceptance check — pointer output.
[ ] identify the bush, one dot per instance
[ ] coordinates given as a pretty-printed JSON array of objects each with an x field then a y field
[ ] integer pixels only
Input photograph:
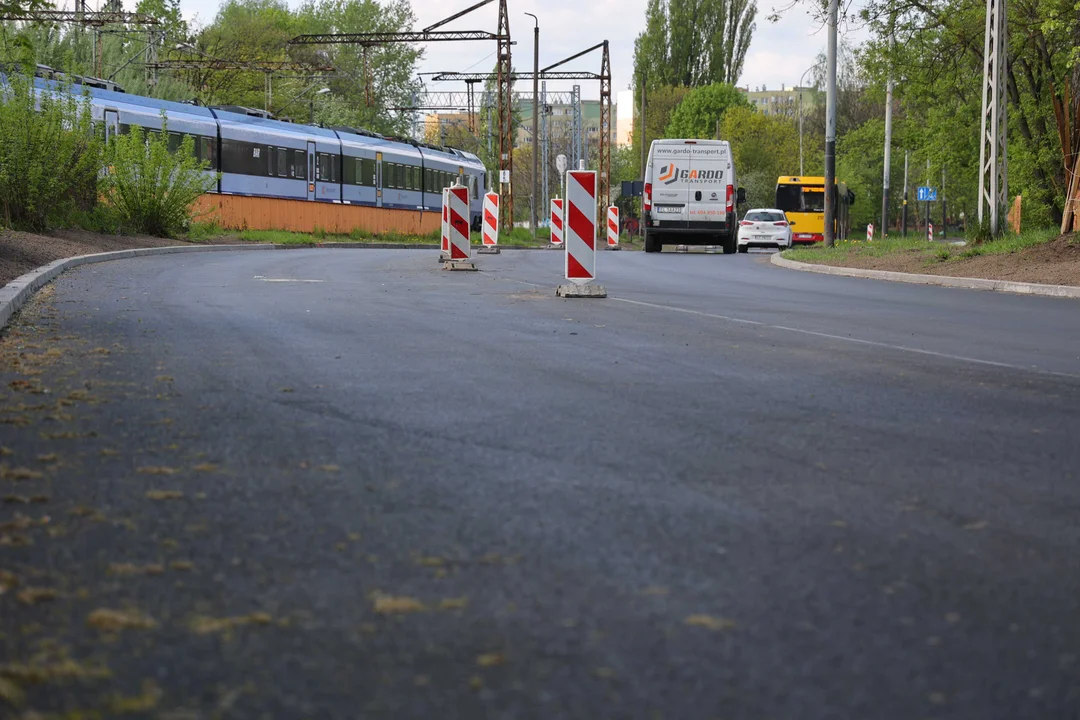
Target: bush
[
  {"x": 152, "y": 189},
  {"x": 49, "y": 155}
]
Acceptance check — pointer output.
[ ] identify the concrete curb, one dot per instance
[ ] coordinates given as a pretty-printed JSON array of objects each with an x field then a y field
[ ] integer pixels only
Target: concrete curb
[
  {"x": 15, "y": 294},
  {"x": 1022, "y": 288}
]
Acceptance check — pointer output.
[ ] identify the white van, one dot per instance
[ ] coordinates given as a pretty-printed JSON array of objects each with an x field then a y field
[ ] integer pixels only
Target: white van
[{"x": 691, "y": 194}]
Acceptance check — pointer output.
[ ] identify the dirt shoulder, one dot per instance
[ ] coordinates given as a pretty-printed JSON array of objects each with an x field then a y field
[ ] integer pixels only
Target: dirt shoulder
[
  {"x": 21, "y": 252},
  {"x": 1053, "y": 263}
]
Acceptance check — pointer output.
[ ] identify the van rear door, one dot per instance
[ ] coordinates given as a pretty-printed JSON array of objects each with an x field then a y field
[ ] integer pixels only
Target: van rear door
[
  {"x": 670, "y": 193},
  {"x": 710, "y": 174}
]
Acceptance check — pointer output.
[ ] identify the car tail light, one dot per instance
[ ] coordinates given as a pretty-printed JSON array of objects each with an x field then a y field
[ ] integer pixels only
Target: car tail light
[
  {"x": 782, "y": 223},
  {"x": 730, "y": 198},
  {"x": 744, "y": 223},
  {"x": 648, "y": 196}
]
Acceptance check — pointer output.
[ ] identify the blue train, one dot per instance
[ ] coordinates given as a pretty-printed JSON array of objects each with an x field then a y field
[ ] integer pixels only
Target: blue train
[{"x": 258, "y": 155}]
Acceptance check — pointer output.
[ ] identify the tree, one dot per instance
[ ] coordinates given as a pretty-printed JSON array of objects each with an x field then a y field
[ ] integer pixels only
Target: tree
[
  {"x": 692, "y": 43},
  {"x": 660, "y": 104},
  {"x": 699, "y": 113},
  {"x": 764, "y": 147}
]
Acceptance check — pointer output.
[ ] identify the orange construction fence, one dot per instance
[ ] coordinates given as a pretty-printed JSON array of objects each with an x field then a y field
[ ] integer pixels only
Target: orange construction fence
[{"x": 240, "y": 212}]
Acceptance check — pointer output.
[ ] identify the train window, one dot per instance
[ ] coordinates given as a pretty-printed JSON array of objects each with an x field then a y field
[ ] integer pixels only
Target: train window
[
  {"x": 205, "y": 150},
  {"x": 326, "y": 168},
  {"x": 368, "y": 176},
  {"x": 281, "y": 153},
  {"x": 174, "y": 142},
  {"x": 270, "y": 155},
  {"x": 300, "y": 164},
  {"x": 416, "y": 179}
]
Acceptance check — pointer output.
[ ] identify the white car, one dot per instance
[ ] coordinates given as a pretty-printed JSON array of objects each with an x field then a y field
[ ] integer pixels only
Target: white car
[{"x": 764, "y": 227}]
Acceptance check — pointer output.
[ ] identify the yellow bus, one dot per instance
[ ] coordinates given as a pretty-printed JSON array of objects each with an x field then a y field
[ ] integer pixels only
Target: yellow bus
[{"x": 803, "y": 201}]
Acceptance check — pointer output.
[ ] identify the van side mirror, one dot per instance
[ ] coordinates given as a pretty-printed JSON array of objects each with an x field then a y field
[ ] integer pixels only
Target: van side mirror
[{"x": 740, "y": 196}]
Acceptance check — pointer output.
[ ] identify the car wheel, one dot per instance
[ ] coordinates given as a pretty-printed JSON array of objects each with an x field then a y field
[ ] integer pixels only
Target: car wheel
[
  {"x": 731, "y": 244},
  {"x": 744, "y": 248}
]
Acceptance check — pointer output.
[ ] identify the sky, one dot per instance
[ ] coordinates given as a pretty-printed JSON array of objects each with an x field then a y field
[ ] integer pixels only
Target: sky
[{"x": 779, "y": 52}]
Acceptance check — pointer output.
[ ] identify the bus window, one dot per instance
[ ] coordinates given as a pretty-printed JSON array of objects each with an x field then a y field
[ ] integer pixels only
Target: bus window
[
  {"x": 813, "y": 199},
  {"x": 789, "y": 198}
]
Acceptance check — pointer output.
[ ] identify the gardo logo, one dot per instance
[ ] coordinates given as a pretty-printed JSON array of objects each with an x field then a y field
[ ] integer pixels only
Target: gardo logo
[{"x": 670, "y": 174}]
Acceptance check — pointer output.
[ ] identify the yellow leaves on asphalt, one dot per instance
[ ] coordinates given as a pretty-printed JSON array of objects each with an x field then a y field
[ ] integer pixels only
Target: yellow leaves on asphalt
[
  {"x": 980, "y": 525},
  {"x": 48, "y": 458},
  {"x": 156, "y": 470},
  {"x": 24, "y": 500},
  {"x": 329, "y": 468},
  {"x": 145, "y": 701},
  {"x": 431, "y": 561},
  {"x": 110, "y": 620},
  {"x": 182, "y": 565},
  {"x": 8, "y": 581},
  {"x": 205, "y": 468},
  {"x": 164, "y": 378},
  {"x": 131, "y": 570},
  {"x": 709, "y": 622},
  {"x": 396, "y": 605},
  {"x": 492, "y": 659},
  {"x": 35, "y": 595},
  {"x": 164, "y": 495},
  {"x": 109, "y": 452},
  {"x": 208, "y": 625},
  {"x": 6, "y": 451},
  {"x": 11, "y": 693},
  {"x": 19, "y": 473},
  {"x": 453, "y": 603}
]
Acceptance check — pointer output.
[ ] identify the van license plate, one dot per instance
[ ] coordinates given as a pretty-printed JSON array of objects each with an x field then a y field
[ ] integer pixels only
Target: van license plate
[{"x": 668, "y": 209}]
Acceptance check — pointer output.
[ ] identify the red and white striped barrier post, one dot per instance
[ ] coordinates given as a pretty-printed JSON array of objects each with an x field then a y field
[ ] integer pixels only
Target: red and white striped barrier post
[
  {"x": 556, "y": 222},
  {"x": 459, "y": 229},
  {"x": 445, "y": 245},
  {"x": 870, "y": 232},
  {"x": 613, "y": 228},
  {"x": 580, "y": 228},
  {"x": 490, "y": 227},
  {"x": 930, "y": 232}
]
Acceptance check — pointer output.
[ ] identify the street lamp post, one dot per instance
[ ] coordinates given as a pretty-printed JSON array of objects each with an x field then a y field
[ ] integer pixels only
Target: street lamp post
[
  {"x": 800, "y": 88},
  {"x": 535, "y": 119},
  {"x": 830, "y": 128}
]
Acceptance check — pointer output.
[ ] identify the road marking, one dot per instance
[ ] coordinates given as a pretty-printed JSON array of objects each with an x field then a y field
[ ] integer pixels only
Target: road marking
[
  {"x": 266, "y": 279},
  {"x": 857, "y": 341}
]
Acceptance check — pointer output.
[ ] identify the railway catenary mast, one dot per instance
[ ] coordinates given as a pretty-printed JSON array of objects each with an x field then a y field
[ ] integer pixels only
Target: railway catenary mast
[{"x": 504, "y": 76}]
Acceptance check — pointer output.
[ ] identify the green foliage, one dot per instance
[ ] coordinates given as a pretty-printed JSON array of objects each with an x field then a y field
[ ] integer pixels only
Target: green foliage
[
  {"x": 49, "y": 156},
  {"x": 152, "y": 189},
  {"x": 764, "y": 147},
  {"x": 702, "y": 108},
  {"x": 660, "y": 104},
  {"x": 693, "y": 43}
]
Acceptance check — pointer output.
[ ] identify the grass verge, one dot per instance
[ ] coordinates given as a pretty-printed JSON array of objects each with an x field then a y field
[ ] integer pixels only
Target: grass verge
[{"x": 932, "y": 253}]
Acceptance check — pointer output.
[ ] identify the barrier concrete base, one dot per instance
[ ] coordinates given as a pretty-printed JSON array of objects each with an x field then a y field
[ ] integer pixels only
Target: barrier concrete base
[
  {"x": 488, "y": 250},
  {"x": 581, "y": 291},
  {"x": 681, "y": 249},
  {"x": 467, "y": 265},
  {"x": 613, "y": 247},
  {"x": 555, "y": 246},
  {"x": 713, "y": 249}
]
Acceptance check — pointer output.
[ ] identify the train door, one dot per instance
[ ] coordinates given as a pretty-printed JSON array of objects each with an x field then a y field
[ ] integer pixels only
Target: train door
[
  {"x": 378, "y": 179},
  {"x": 310, "y": 170},
  {"x": 112, "y": 124}
]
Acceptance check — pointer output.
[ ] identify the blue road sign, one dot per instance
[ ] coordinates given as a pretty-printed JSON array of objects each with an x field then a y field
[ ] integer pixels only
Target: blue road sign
[{"x": 926, "y": 194}]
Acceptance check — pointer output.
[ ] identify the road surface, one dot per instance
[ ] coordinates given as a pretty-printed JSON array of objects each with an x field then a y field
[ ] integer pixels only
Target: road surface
[{"x": 329, "y": 484}]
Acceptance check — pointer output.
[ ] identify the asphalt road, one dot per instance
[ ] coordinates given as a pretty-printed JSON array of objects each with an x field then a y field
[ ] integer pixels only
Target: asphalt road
[{"x": 347, "y": 484}]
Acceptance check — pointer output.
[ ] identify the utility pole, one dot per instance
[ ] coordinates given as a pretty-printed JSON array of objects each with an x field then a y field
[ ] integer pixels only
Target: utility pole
[
  {"x": 535, "y": 120},
  {"x": 888, "y": 135},
  {"x": 830, "y": 131},
  {"x": 644, "y": 151},
  {"x": 944, "y": 215},
  {"x": 928, "y": 201},
  {"x": 907, "y": 156}
]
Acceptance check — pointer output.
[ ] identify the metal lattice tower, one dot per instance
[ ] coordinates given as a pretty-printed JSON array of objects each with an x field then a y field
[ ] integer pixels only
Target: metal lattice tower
[
  {"x": 504, "y": 90},
  {"x": 577, "y": 128},
  {"x": 604, "y": 193},
  {"x": 993, "y": 153},
  {"x": 544, "y": 149}
]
